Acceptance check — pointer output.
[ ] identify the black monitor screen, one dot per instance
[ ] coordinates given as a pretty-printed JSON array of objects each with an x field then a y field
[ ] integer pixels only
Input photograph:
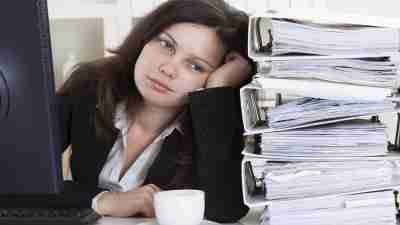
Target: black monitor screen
[{"x": 29, "y": 161}]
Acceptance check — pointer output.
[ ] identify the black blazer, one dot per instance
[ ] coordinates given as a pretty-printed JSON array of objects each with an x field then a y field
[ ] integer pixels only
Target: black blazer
[{"x": 217, "y": 145}]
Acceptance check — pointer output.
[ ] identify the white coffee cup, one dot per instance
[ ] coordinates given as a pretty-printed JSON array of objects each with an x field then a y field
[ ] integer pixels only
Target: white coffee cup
[{"x": 179, "y": 207}]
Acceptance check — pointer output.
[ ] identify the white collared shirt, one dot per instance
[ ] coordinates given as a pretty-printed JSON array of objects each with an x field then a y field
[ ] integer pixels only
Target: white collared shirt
[{"x": 137, "y": 172}]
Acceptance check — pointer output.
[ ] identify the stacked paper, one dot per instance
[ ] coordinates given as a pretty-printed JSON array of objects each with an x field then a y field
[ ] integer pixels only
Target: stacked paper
[
  {"x": 378, "y": 71},
  {"x": 325, "y": 90},
  {"x": 287, "y": 181},
  {"x": 308, "y": 110},
  {"x": 307, "y": 179},
  {"x": 318, "y": 154},
  {"x": 356, "y": 138},
  {"x": 297, "y": 112},
  {"x": 291, "y": 36},
  {"x": 356, "y": 209}
]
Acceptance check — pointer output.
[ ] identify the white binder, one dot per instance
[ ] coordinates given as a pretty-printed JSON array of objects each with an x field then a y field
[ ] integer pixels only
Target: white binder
[
  {"x": 291, "y": 89},
  {"x": 258, "y": 199},
  {"x": 320, "y": 16}
]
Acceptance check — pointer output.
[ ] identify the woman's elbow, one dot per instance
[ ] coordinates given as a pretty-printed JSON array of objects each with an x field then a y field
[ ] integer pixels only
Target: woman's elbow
[{"x": 227, "y": 214}]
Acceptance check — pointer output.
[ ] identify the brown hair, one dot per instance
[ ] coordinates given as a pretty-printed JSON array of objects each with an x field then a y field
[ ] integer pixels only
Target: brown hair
[{"x": 114, "y": 75}]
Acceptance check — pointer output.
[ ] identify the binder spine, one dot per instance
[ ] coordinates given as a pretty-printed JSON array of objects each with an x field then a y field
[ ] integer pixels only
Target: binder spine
[
  {"x": 255, "y": 186},
  {"x": 257, "y": 147},
  {"x": 263, "y": 34},
  {"x": 264, "y": 67},
  {"x": 396, "y": 146}
]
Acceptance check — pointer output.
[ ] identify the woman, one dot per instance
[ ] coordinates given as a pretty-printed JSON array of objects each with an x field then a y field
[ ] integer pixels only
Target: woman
[{"x": 163, "y": 112}]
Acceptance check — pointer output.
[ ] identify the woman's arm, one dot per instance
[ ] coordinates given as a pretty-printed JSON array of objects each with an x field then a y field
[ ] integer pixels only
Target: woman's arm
[
  {"x": 135, "y": 202},
  {"x": 218, "y": 137}
]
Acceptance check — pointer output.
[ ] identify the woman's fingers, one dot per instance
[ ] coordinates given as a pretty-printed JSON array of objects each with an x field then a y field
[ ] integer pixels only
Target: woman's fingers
[
  {"x": 150, "y": 188},
  {"x": 235, "y": 70},
  {"x": 147, "y": 193},
  {"x": 155, "y": 188}
]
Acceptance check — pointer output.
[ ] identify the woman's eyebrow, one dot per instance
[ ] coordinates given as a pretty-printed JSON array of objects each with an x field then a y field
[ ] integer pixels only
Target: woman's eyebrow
[
  {"x": 170, "y": 37},
  {"x": 194, "y": 56}
]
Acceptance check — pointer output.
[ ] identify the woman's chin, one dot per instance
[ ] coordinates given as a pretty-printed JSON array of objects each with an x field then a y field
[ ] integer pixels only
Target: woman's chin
[{"x": 163, "y": 101}]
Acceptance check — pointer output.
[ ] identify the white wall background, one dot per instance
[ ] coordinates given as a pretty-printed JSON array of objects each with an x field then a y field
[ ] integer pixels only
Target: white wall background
[
  {"x": 80, "y": 38},
  {"x": 385, "y": 8}
]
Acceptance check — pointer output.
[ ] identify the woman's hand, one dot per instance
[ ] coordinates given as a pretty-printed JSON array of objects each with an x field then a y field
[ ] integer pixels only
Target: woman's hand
[
  {"x": 135, "y": 202},
  {"x": 233, "y": 72}
]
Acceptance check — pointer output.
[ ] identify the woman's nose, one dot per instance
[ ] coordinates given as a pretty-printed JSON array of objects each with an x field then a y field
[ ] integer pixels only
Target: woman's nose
[{"x": 168, "y": 69}]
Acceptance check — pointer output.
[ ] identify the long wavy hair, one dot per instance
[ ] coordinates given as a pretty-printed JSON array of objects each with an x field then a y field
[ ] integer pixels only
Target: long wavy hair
[{"x": 114, "y": 75}]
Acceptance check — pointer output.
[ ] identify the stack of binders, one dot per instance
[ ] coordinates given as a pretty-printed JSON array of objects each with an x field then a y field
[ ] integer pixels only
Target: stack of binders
[{"x": 316, "y": 151}]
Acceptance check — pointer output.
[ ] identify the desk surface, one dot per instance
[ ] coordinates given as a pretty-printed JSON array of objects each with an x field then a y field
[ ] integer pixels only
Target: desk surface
[{"x": 250, "y": 219}]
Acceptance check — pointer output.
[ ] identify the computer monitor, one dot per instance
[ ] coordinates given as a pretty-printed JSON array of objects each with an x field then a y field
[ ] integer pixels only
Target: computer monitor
[{"x": 30, "y": 159}]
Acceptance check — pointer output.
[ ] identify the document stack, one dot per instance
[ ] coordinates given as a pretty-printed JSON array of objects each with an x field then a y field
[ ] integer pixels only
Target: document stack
[{"x": 316, "y": 151}]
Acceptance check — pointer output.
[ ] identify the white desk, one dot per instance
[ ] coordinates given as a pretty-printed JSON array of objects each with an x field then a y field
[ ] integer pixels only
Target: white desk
[{"x": 250, "y": 219}]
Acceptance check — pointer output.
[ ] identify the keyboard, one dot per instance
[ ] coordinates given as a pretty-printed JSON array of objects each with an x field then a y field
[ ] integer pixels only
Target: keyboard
[{"x": 46, "y": 216}]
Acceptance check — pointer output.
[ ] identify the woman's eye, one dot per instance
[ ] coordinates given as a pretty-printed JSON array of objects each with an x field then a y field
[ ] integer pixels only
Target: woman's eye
[
  {"x": 196, "y": 68},
  {"x": 165, "y": 44}
]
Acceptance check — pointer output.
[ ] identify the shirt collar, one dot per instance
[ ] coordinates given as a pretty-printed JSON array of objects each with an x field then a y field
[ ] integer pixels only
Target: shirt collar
[{"x": 121, "y": 121}]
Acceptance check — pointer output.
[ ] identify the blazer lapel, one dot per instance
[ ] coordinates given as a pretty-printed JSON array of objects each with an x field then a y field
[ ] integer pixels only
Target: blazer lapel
[{"x": 164, "y": 166}]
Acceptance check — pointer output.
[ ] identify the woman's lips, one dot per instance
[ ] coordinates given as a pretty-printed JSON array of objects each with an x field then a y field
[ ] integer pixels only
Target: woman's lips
[{"x": 159, "y": 86}]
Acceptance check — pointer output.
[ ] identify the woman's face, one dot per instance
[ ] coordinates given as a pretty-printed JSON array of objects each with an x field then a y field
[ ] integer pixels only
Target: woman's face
[{"x": 176, "y": 62}]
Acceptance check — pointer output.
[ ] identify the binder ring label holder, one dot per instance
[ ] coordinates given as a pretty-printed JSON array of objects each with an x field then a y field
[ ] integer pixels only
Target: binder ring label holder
[
  {"x": 4, "y": 97},
  {"x": 254, "y": 185}
]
